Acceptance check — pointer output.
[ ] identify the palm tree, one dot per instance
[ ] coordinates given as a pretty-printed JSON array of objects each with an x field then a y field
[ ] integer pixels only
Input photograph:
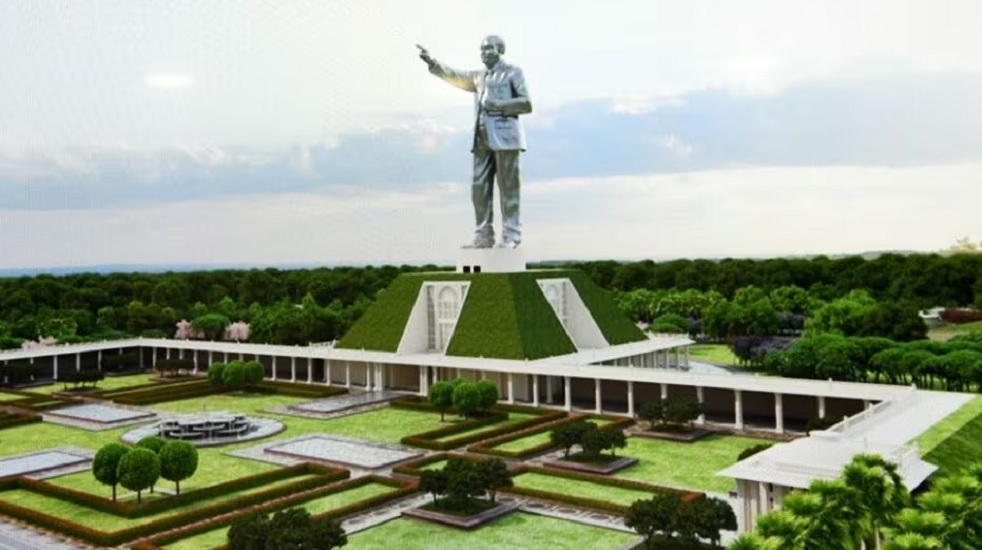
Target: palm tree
[
  {"x": 753, "y": 541},
  {"x": 877, "y": 494},
  {"x": 913, "y": 541}
]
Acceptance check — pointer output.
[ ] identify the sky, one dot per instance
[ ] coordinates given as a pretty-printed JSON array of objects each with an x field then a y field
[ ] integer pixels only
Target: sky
[{"x": 272, "y": 132}]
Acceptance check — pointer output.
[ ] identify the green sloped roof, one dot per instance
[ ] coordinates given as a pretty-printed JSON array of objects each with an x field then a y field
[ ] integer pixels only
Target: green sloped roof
[{"x": 505, "y": 316}]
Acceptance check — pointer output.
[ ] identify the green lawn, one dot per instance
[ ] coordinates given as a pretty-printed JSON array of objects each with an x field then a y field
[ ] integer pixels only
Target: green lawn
[
  {"x": 10, "y": 396},
  {"x": 579, "y": 488},
  {"x": 217, "y": 537},
  {"x": 941, "y": 431},
  {"x": 517, "y": 530},
  {"x": 513, "y": 418},
  {"x": 948, "y": 332},
  {"x": 109, "y": 522},
  {"x": 719, "y": 354},
  {"x": 535, "y": 440},
  {"x": 956, "y": 442},
  {"x": 109, "y": 383},
  {"x": 685, "y": 465}
]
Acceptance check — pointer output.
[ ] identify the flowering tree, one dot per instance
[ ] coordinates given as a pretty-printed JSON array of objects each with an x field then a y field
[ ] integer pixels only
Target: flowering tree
[
  {"x": 42, "y": 342},
  {"x": 237, "y": 331}
]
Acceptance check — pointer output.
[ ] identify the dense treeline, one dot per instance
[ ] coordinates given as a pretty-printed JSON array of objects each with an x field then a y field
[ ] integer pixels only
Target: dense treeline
[
  {"x": 851, "y": 296},
  {"x": 924, "y": 279},
  {"x": 282, "y": 306}
]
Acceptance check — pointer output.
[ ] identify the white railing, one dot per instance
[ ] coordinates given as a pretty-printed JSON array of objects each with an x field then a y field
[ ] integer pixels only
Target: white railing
[{"x": 881, "y": 410}]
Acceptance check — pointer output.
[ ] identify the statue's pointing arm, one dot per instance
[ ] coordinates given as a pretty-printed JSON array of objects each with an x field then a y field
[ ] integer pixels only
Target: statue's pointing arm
[{"x": 465, "y": 80}]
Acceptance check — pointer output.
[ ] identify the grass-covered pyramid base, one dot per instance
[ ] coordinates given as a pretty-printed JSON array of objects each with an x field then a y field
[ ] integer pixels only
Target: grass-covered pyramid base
[{"x": 505, "y": 316}]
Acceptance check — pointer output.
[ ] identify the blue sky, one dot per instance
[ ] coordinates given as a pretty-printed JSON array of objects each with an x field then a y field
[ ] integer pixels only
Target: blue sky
[{"x": 301, "y": 132}]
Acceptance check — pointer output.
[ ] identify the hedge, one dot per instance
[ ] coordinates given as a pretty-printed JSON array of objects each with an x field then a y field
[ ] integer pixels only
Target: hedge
[
  {"x": 115, "y": 538},
  {"x": 14, "y": 420},
  {"x": 429, "y": 440},
  {"x": 414, "y": 467},
  {"x": 196, "y": 388},
  {"x": 487, "y": 446},
  {"x": 404, "y": 488},
  {"x": 607, "y": 506}
]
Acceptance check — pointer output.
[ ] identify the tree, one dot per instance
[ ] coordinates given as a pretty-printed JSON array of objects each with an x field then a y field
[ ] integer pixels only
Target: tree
[
  {"x": 464, "y": 482},
  {"x": 655, "y": 515},
  {"x": 153, "y": 443},
  {"x": 139, "y": 469},
  {"x": 651, "y": 411},
  {"x": 682, "y": 411},
  {"x": 595, "y": 440},
  {"x": 433, "y": 482},
  {"x": 488, "y": 392},
  {"x": 494, "y": 476},
  {"x": 216, "y": 373},
  {"x": 466, "y": 399},
  {"x": 440, "y": 396},
  {"x": 569, "y": 434},
  {"x": 178, "y": 461},
  {"x": 709, "y": 516},
  {"x": 105, "y": 465},
  {"x": 294, "y": 529},
  {"x": 248, "y": 532},
  {"x": 235, "y": 374},
  {"x": 211, "y": 325}
]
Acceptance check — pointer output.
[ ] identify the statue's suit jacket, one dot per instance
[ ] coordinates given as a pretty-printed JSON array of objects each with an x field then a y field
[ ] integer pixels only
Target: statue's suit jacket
[{"x": 503, "y": 83}]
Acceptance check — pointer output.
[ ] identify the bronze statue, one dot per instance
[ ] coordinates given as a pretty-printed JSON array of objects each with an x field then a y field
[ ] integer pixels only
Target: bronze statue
[{"x": 500, "y": 96}]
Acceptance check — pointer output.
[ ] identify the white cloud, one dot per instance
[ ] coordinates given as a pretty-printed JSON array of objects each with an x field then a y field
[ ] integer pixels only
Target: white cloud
[
  {"x": 636, "y": 104},
  {"x": 675, "y": 145},
  {"x": 169, "y": 81}
]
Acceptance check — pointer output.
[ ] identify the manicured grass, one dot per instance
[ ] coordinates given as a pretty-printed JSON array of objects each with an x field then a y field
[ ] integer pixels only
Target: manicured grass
[
  {"x": 520, "y": 445},
  {"x": 719, "y": 354},
  {"x": 941, "y": 431},
  {"x": 10, "y": 396},
  {"x": 109, "y": 383},
  {"x": 512, "y": 419},
  {"x": 37, "y": 437},
  {"x": 387, "y": 424},
  {"x": 685, "y": 465},
  {"x": 948, "y": 332},
  {"x": 963, "y": 445},
  {"x": 517, "y": 530},
  {"x": 535, "y": 440},
  {"x": 218, "y": 537},
  {"x": 578, "y": 488},
  {"x": 109, "y": 522},
  {"x": 247, "y": 403}
]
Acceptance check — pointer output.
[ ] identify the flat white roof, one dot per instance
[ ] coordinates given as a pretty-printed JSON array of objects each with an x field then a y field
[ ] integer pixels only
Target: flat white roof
[
  {"x": 888, "y": 430},
  {"x": 749, "y": 383}
]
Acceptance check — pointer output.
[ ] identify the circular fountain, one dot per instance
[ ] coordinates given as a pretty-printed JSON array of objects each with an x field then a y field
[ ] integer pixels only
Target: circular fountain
[{"x": 207, "y": 428}]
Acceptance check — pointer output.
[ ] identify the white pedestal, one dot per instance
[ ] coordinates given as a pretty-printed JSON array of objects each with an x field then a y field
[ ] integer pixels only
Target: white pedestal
[{"x": 490, "y": 260}]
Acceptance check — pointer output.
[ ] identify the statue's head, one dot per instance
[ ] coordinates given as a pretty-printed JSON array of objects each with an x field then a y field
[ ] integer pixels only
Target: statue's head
[{"x": 492, "y": 48}]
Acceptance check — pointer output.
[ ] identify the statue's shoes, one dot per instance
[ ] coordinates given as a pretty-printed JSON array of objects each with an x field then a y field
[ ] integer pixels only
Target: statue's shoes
[
  {"x": 507, "y": 244},
  {"x": 478, "y": 244}
]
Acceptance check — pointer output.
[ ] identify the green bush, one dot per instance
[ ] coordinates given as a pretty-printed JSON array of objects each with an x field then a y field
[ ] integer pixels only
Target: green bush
[{"x": 216, "y": 373}]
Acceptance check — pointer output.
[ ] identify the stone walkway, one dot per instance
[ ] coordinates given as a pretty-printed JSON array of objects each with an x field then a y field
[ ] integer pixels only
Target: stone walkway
[
  {"x": 47, "y": 463},
  {"x": 15, "y": 535},
  {"x": 345, "y": 402}
]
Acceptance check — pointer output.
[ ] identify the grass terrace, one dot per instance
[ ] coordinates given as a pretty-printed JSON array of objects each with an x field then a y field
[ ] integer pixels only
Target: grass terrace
[
  {"x": 719, "y": 354},
  {"x": 580, "y": 488},
  {"x": 109, "y": 383},
  {"x": 953, "y": 444},
  {"x": 541, "y": 438},
  {"x": 518, "y": 530},
  {"x": 685, "y": 465},
  {"x": 9, "y": 396},
  {"x": 217, "y": 537},
  {"x": 513, "y": 418}
]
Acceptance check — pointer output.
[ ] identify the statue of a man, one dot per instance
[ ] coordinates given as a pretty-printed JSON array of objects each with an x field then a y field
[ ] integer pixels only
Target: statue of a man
[{"x": 500, "y": 96}]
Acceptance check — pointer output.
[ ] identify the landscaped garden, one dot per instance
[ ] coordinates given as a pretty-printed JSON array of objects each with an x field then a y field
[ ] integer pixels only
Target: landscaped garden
[{"x": 518, "y": 530}]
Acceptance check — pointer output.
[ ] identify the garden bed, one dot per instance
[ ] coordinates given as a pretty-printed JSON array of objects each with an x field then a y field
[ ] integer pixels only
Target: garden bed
[
  {"x": 599, "y": 466},
  {"x": 539, "y": 435},
  {"x": 686, "y": 435},
  {"x": 431, "y": 513}
]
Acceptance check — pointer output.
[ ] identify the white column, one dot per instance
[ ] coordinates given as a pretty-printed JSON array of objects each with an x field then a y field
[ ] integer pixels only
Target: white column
[
  {"x": 678, "y": 357},
  {"x": 368, "y": 376},
  {"x": 598, "y": 405},
  {"x": 347, "y": 374},
  {"x": 867, "y": 404},
  {"x": 166, "y": 353},
  {"x": 779, "y": 412},
  {"x": 738, "y": 406},
  {"x": 195, "y": 362},
  {"x": 664, "y": 391},
  {"x": 78, "y": 364},
  {"x": 424, "y": 385},
  {"x": 821, "y": 406},
  {"x": 98, "y": 360},
  {"x": 511, "y": 388},
  {"x": 224, "y": 353},
  {"x": 293, "y": 369},
  {"x": 272, "y": 367},
  {"x": 327, "y": 372},
  {"x": 568, "y": 396},
  {"x": 630, "y": 398},
  {"x": 310, "y": 370},
  {"x": 701, "y": 398},
  {"x": 55, "y": 363},
  {"x": 549, "y": 390},
  {"x": 380, "y": 379},
  {"x": 211, "y": 357},
  {"x": 241, "y": 356},
  {"x": 535, "y": 390},
  {"x": 180, "y": 353}
]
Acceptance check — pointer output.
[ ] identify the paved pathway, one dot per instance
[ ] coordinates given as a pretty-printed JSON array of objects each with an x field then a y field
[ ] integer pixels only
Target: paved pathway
[{"x": 16, "y": 536}]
